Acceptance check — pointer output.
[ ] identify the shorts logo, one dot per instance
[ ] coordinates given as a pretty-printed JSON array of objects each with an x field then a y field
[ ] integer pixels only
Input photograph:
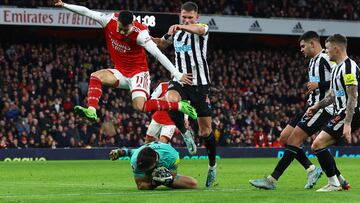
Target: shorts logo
[{"x": 334, "y": 121}]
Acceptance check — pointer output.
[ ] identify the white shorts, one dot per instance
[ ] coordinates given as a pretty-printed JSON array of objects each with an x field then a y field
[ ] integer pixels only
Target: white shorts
[
  {"x": 156, "y": 130},
  {"x": 138, "y": 84}
]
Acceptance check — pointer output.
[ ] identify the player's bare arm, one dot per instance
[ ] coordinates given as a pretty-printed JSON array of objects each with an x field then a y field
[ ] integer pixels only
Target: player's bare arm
[
  {"x": 161, "y": 43},
  {"x": 328, "y": 99},
  {"x": 198, "y": 29},
  {"x": 352, "y": 92}
]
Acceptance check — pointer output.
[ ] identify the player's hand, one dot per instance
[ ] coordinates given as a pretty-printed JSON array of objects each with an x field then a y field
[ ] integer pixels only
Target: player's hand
[
  {"x": 172, "y": 30},
  {"x": 347, "y": 132},
  {"x": 162, "y": 175},
  {"x": 312, "y": 86},
  {"x": 114, "y": 154},
  {"x": 59, "y": 3},
  {"x": 310, "y": 111},
  {"x": 186, "y": 78}
]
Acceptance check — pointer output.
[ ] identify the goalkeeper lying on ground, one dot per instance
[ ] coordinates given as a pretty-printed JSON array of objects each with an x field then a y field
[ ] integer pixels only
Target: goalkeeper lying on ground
[{"x": 155, "y": 164}]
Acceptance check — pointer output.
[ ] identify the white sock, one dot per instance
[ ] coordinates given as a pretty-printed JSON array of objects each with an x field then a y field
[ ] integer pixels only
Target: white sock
[
  {"x": 311, "y": 168},
  {"x": 341, "y": 179},
  {"x": 333, "y": 180},
  {"x": 91, "y": 107},
  {"x": 212, "y": 167}
]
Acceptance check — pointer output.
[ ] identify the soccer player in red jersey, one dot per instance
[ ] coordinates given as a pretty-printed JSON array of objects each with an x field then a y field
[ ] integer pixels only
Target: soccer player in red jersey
[
  {"x": 126, "y": 41},
  {"x": 162, "y": 127}
]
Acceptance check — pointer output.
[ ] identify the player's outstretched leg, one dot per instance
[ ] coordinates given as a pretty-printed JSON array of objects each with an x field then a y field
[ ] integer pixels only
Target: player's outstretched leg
[
  {"x": 97, "y": 79},
  {"x": 161, "y": 105}
]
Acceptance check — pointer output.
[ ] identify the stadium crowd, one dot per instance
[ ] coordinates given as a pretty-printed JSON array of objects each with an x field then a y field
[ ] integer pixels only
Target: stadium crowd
[
  {"x": 40, "y": 84},
  {"x": 315, "y": 9}
]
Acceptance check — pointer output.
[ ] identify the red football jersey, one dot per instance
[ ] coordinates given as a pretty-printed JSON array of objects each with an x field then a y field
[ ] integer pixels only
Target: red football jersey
[
  {"x": 161, "y": 117},
  {"x": 128, "y": 56}
]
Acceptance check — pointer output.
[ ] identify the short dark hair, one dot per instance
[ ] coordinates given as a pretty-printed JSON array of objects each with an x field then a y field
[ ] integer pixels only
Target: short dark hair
[
  {"x": 190, "y": 6},
  {"x": 337, "y": 39},
  {"x": 125, "y": 17},
  {"x": 146, "y": 158},
  {"x": 310, "y": 35}
]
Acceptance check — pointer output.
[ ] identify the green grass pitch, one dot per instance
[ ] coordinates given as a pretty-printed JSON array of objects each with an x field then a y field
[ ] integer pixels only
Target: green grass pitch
[{"x": 112, "y": 181}]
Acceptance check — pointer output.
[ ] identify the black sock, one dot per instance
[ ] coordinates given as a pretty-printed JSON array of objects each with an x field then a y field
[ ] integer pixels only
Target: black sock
[
  {"x": 337, "y": 172},
  {"x": 210, "y": 144},
  {"x": 289, "y": 155},
  {"x": 326, "y": 161},
  {"x": 302, "y": 159},
  {"x": 178, "y": 118}
]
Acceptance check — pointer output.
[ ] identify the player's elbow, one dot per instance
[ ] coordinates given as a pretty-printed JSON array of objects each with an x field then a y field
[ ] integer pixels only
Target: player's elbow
[
  {"x": 201, "y": 31},
  {"x": 193, "y": 184}
]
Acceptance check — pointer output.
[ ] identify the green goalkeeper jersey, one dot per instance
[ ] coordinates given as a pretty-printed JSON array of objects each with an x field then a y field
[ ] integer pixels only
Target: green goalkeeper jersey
[{"x": 168, "y": 157}]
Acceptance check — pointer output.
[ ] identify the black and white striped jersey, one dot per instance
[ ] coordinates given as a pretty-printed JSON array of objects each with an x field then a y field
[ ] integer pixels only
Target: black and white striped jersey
[
  {"x": 344, "y": 74},
  {"x": 190, "y": 54},
  {"x": 320, "y": 72}
]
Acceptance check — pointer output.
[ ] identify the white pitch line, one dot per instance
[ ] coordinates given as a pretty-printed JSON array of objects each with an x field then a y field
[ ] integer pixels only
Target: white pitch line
[{"x": 122, "y": 193}]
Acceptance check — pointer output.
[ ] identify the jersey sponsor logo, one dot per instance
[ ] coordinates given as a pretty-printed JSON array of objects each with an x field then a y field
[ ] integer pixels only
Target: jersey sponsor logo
[
  {"x": 119, "y": 47},
  {"x": 181, "y": 47},
  {"x": 349, "y": 79},
  {"x": 255, "y": 27},
  {"x": 340, "y": 93},
  {"x": 314, "y": 78}
]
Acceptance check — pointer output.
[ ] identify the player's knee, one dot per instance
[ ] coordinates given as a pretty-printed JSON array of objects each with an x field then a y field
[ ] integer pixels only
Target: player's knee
[
  {"x": 164, "y": 139},
  {"x": 138, "y": 106},
  {"x": 205, "y": 132},
  {"x": 149, "y": 139},
  {"x": 283, "y": 138},
  {"x": 172, "y": 97},
  {"x": 98, "y": 74},
  {"x": 316, "y": 145}
]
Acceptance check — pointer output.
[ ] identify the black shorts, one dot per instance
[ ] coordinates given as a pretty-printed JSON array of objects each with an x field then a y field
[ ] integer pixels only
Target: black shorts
[
  {"x": 199, "y": 96},
  {"x": 315, "y": 123},
  {"x": 297, "y": 119},
  {"x": 336, "y": 125}
]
